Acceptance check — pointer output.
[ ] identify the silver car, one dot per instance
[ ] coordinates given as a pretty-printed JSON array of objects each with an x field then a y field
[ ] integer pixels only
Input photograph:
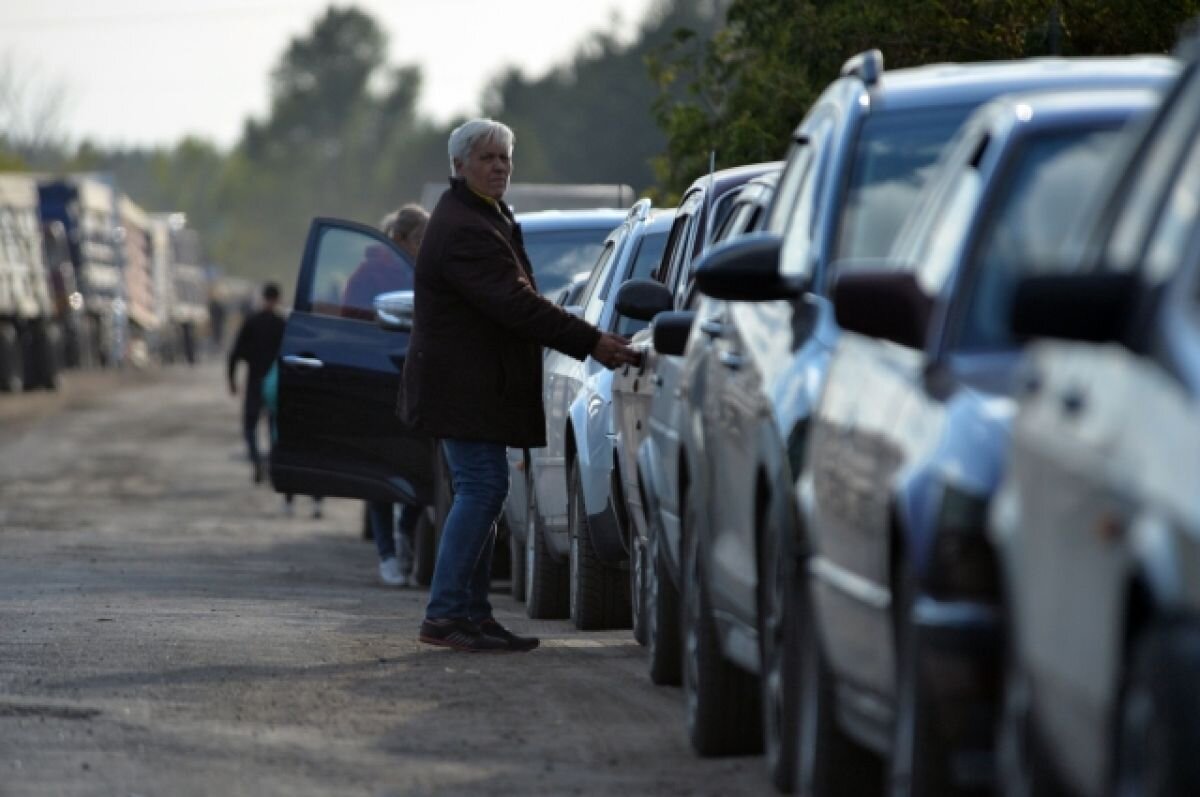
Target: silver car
[{"x": 576, "y": 568}]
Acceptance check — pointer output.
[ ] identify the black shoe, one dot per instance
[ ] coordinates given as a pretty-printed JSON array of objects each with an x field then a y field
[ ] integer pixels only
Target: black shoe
[
  {"x": 519, "y": 644},
  {"x": 462, "y": 635}
]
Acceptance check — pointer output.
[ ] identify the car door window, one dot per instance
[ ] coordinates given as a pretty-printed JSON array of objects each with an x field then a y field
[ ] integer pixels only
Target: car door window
[
  {"x": 1168, "y": 243},
  {"x": 679, "y": 242},
  {"x": 351, "y": 268},
  {"x": 1024, "y": 234},
  {"x": 593, "y": 302},
  {"x": 646, "y": 258},
  {"x": 796, "y": 209}
]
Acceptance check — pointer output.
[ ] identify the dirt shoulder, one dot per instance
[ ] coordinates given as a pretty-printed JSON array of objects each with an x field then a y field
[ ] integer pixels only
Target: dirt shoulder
[{"x": 164, "y": 629}]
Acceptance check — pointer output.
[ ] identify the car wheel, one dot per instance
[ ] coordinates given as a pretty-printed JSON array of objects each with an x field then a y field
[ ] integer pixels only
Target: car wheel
[
  {"x": 662, "y": 616},
  {"x": 828, "y": 762},
  {"x": 722, "y": 700},
  {"x": 425, "y": 544},
  {"x": 516, "y": 557},
  {"x": 1159, "y": 727},
  {"x": 12, "y": 365},
  {"x": 919, "y": 754},
  {"x": 1022, "y": 770},
  {"x": 599, "y": 591},
  {"x": 637, "y": 588},
  {"x": 546, "y": 588},
  {"x": 779, "y": 639}
]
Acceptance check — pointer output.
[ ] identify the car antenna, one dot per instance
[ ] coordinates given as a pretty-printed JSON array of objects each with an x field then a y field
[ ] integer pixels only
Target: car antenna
[{"x": 708, "y": 199}]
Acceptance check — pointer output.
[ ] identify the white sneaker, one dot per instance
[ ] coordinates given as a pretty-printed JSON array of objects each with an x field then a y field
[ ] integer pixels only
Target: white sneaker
[{"x": 389, "y": 573}]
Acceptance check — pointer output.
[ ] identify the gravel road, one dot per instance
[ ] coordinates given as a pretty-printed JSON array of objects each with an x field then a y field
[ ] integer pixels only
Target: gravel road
[{"x": 165, "y": 630}]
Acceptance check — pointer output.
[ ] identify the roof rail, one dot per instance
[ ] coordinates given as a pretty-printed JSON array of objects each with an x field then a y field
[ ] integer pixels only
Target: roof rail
[
  {"x": 866, "y": 66},
  {"x": 640, "y": 210}
]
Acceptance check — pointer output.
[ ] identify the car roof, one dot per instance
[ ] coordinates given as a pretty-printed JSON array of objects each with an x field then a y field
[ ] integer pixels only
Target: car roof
[
  {"x": 955, "y": 84},
  {"x": 724, "y": 179},
  {"x": 1049, "y": 109},
  {"x": 552, "y": 220}
]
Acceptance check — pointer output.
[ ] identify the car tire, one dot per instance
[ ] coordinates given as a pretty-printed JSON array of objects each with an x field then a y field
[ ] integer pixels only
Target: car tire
[
  {"x": 12, "y": 364},
  {"x": 516, "y": 556},
  {"x": 919, "y": 755},
  {"x": 828, "y": 762},
  {"x": 638, "y": 576},
  {"x": 547, "y": 591},
  {"x": 721, "y": 699},
  {"x": 426, "y": 538},
  {"x": 1021, "y": 766},
  {"x": 1158, "y": 732},
  {"x": 599, "y": 592},
  {"x": 779, "y": 641},
  {"x": 663, "y": 642}
]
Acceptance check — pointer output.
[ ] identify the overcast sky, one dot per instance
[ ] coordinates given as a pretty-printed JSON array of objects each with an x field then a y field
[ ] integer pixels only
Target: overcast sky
[{"x": 152, "y": 71}]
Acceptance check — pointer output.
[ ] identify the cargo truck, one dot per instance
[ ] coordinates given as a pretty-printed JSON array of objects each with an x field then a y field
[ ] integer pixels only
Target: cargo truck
[{"x": 29, "y": 332}]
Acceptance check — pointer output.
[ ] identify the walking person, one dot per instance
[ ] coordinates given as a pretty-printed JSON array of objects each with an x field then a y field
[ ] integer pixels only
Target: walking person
[
  {"x": 257, "y": 344},
  {"x": 473, "y": 375},
  {"x": 393, "y": 532}
]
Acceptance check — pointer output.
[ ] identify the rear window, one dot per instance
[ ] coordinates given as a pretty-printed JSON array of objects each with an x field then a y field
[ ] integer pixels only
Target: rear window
[
  {"x": 558, "y": 255},
  {"x": 896, "y": 154}
]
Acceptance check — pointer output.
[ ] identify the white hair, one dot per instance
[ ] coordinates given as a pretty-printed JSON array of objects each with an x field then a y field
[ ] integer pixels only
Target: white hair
[{"x": 464, "y": 138}]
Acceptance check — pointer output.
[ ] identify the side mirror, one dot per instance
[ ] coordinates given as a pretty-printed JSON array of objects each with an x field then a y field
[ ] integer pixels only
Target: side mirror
[
  {"x": 394, "y": 311},
  {"x": 574, "y": 310},
  {"x": 746, "y": 269},
  {"x": 642, "y": 299},
  {"x": 670, "y": 331},
  {"x": 887, "y": 304},
  {"x": 1094, "y": 307}
]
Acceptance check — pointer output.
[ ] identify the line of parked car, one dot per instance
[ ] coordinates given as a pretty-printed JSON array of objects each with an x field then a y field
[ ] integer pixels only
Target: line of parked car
[{"x": 903, "y": 490}]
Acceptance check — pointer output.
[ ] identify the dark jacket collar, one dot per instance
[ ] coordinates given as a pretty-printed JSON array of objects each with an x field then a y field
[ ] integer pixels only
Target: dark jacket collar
[{"x": 498, "y": 214}]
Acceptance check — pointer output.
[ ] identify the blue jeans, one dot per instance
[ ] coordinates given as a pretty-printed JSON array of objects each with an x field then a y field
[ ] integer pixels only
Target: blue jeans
[
  {"x": 384, "y": 526},
  {"x": 463, "y": 574}
]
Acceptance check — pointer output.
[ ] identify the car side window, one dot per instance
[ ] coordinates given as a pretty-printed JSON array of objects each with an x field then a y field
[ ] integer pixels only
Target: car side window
[
  {"x": 350, "y": 269},
  {"x": 1144, "y": 194},
  {"x": 593, "y": 299},
  {"x": 1168, "y": 243},
  {"x": 680, "y": 239},
  {"x": 796, "y": 255}
]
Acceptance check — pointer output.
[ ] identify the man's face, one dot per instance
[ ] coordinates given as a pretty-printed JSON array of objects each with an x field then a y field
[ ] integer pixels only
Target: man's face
[{"x": 487, "y": 168}]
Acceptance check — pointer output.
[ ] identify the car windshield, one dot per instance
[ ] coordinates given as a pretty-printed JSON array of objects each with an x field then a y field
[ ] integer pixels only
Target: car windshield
[
  {"x": 1040, "y": 203},
  {"x": 558, "y": 255},
  {"x": 896, "y": 155}
]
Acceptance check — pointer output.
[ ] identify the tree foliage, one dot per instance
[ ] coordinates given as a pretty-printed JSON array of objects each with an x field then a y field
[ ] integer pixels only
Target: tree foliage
[{"x": 746, "y": 88}]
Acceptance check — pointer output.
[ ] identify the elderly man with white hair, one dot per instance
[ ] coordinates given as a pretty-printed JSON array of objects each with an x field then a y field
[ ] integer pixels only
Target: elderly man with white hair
[{"x": 473, "y": 374}]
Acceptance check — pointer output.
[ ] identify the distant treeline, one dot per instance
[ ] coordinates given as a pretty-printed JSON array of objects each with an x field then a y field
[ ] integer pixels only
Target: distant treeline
[{"x": 343, "y": 137}]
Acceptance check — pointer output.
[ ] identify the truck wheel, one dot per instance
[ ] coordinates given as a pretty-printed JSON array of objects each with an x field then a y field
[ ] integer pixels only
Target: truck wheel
[
  {"x": 721, "y": 700},
  {"x": 12, "y": 364},
  {"x": 662, "y": 615},
  {"x": 1159, "y": 729},
  {"x": 599, "y": 591},
  {"x": 546, "y": 581},
  {"x": 43, "y": 365}
]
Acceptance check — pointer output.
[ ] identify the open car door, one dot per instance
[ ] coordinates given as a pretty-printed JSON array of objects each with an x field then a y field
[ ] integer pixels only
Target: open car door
[{"x": 339, "y": 373}]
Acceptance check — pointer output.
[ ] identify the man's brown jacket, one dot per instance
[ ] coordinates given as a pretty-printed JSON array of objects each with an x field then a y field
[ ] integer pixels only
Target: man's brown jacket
[{"x": 474, "y": 365}]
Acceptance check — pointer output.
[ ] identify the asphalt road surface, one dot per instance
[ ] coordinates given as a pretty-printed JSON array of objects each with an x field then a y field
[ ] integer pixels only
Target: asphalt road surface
[{"x": 166, "y": 630}]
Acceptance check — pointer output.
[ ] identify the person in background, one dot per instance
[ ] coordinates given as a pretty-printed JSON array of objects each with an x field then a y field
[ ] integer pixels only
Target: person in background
[
  {"x": 257, "y": 344},
  {"x": 473, "y": 375},
  {"x": 393, "y": 533}
]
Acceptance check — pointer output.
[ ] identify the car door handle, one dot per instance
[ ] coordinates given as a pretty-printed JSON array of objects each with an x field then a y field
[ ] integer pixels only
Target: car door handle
[
  {"x": 296, "y": 361},
  {"x": 712, "y": 327},
  {"x": 731, "y": 360}
]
